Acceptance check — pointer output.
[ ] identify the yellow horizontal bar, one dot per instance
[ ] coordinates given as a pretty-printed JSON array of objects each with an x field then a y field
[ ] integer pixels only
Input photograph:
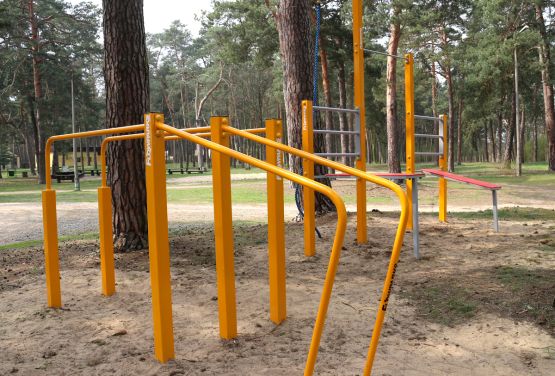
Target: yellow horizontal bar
[
  {"x": 103, "y": 147},
  {"x": 69, "y": 136},
  {"x": 395, "y": 253}
]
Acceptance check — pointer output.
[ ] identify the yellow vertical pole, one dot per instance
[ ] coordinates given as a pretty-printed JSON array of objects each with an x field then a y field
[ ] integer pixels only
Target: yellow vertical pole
[
  {"x": 106, "y": 240},
  {"x": 276, "y": 226},
  {"x": 358, "y": 51},
  {"x": 308, "y": 172},
  {"x": 51, "y": 261},
  {"x": 158, "y": 243},
  {"x": 223, "y": 231},
  {"x": 443, "y": 166},
  {"x": 409, "y": 133}
]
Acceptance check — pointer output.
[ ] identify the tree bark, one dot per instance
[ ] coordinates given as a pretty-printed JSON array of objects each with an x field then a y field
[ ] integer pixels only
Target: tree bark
[
  {"x": 549, "y": 110},
  {"x": 343, "y": 125},
  {"x": 393, "y": 160},
  {"x": 296, "y": 46},
  {"x": 459, "y": 132},
  {"x": 499, "y": 135},
  {"x": 492, "y": 137},
  {"x": 328, "y": 116},
  {"x": 507, "y": 158},
  {"x": 127, "y": 99},
  {"x": 35, "y": 103}
]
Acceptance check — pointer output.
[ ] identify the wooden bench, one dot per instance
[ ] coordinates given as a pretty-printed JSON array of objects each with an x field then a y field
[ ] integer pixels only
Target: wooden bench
[
  {"x": 66, "y": 176},
  {"x": 478, "y": 183}
]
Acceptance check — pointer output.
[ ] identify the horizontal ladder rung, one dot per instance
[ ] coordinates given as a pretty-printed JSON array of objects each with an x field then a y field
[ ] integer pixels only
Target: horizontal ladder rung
[
  {"x": 337, "y": 154},
  {"x": 424, "y": 117},
  {"x": 335, "y": 109},
  {"x": 334, "y": 132},
  {"x": 429, "y": 153},
  {"x": 427, "y": 135}
]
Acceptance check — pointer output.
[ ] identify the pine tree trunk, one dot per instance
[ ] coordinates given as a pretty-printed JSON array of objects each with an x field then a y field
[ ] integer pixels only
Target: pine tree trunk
[
  {"x": 521, "y": 129},
  {"x": 343, "y": 125},
  {"x": 393, "y": 161},
  {"x": 451, "y": 123},
  {"x": 296, "y": 46},
  {"x": 499, "y": 136},
  {"x": 459, "y": 132},
  {"x": 492, "y": 137},
  {"x": 507, "y": 158},
  {"x": 328, "y": 116},
  {"x": 127, "y": 98},
  {"x": 549, "y": 110}
]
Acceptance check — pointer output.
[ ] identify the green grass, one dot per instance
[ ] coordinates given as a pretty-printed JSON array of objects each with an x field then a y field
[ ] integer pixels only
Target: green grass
[
  {"x": 445, "y": 304},
  {"x": 38, "y": 243},
  {"x": 507, "y": 214}
]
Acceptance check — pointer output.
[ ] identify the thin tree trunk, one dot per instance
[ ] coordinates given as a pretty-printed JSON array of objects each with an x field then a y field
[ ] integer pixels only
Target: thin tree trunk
[
  {"x": 127, "y": 99},
  {"x": 343, "y": 125},
  {"x": 492, "y": 138},
  {"x": 549, "y": 110},
  {"x": 459, "y": 132},
  {"x": 499, "y": 136},
  {"x": 522, "y": 131},
  {"x": 328, "y": 116},
  {"x": 508, "y": 157},
  {"x": 486, "y": 151},
  {"x": 393, "y": 160}
]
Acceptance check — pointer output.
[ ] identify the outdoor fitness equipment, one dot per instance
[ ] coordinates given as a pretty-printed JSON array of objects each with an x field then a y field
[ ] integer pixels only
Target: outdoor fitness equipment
[{"x": 155, "y": 134}]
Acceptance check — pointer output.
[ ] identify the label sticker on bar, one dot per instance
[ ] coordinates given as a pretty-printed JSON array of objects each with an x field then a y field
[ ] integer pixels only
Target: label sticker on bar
[{"x": 148, "y": 152}]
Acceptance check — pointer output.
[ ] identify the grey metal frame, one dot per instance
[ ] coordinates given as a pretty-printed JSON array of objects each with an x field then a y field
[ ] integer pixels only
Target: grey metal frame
[
  {"x": 356, "y": 132},
  {"x": 384, "y": 54},
  {"x": 415, "y": 217}
]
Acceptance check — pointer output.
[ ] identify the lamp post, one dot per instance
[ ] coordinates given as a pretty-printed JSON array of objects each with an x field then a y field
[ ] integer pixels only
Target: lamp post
[{"x": 75, "y": 172}]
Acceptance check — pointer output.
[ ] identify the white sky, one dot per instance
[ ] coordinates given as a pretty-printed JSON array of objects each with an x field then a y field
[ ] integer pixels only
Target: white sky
[{"x": 160, "y": 13}]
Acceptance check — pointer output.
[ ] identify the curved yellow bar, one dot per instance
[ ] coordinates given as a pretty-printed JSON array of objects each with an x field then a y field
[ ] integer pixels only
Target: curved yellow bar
[
  {"x": 309, "y": 369},
  {"x": 98, "y": 132},
  {"x": 340, "y": 229},
  {"x": 103, "y": 147}
]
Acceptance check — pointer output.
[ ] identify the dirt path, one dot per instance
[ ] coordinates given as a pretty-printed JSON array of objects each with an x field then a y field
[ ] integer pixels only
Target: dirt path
[{"x": 452, "y": 313}]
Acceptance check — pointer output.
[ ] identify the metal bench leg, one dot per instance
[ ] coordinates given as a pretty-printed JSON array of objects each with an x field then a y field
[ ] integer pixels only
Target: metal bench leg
[
  {"x": 415, "y": 226},
  {"x": 495, "y": 217}
]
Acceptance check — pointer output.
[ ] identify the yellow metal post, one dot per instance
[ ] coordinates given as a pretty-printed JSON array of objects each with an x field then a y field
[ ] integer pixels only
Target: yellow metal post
[
  {"x": 158, "y": 243},
  {"x": 51, "y": 261},
  {"x": 223, "y": 231},
  {"x": 358, "y": 51},
  {"x": 409, "y": 133},
  {"x": 443, "y": 145},
  {"x": 308, "y": 172},
  {"x": 276, "y": 226},
  {"x": 106, "y": 240}
]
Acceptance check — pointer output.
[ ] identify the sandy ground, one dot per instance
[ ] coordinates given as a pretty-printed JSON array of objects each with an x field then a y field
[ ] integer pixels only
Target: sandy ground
[{"x": 95, "y": 335}]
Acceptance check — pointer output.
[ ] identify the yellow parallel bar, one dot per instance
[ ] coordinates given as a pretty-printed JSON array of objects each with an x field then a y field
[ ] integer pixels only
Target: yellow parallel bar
[
  {"x": 276, "y": 226},
  {"x": 325, "y": 190},
  {"x": 358, "y": 59},
  {"x": 395, "y": 253},
  {"x": 51, "y": 261},
  {"x": 308, "y": 172},
  {"x": 106, "y": 240},
  {"x": 409, "y": 133},
  {"x": 443, "y": 181},
  {"x": 99, "y": 132},
  {"x": 158, "y": 243},
  {"x": 104, "y": 147},
  {"x": 223, "y": 231}
]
